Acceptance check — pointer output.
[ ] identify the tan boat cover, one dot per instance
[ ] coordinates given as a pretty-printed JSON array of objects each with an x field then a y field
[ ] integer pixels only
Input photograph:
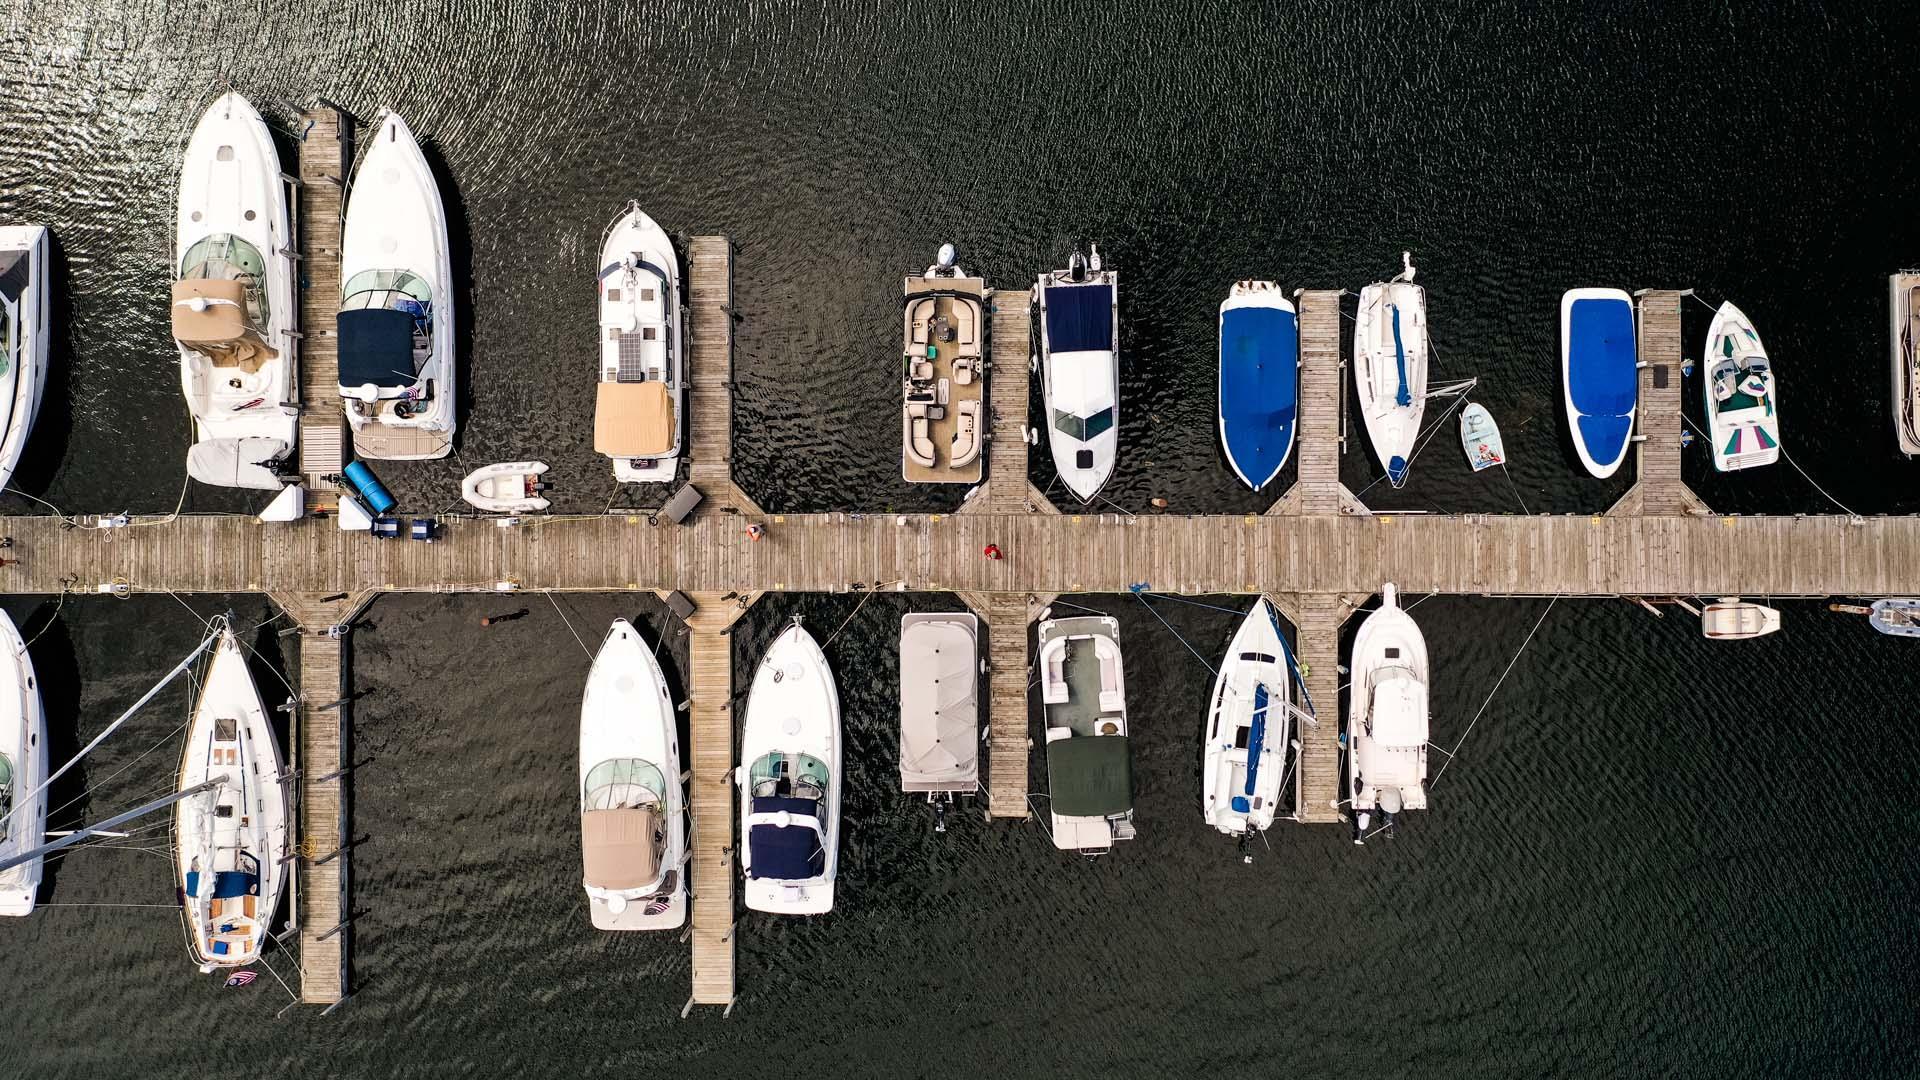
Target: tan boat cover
[
  {"x": 220, "y": 332},
  {"x": 618, "y": 846},
  {"x": 633, "y": 419}
]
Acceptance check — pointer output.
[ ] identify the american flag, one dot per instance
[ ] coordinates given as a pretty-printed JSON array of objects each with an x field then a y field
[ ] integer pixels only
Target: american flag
[{"x": 242, "y": 978}]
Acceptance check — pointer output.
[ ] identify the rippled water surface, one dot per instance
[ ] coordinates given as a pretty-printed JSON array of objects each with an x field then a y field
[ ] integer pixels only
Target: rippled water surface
[{"x": 1653, "y": 856}]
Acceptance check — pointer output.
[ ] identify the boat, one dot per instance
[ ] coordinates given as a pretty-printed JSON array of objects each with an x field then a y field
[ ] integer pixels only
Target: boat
[
  {"x": 633, "y": 813},
  {"x": 396, "y": 328},
  {"x": 1903, "y": 338},
  {"x": 1244, "y": 753},
  {"x": 1080, "y": 370},
  {"x": 1259, "y": 380},
  {"x": 1899, "y": 617},
  {"x": 231, "y": 843},
  {"x": 789, "y": 779},
  {"x": 1480, "y": 438},
  {"x": 1599, "y": 374},
  {"x": 510, "y": 487},
  {"x": 1742, "y": 422},
  {"x": 23, "y": 771},
  {"x": 25, "y": 317},
  {"x": 1387, "y": 716},
  {"x": 1390, "y": 367},
  {"x": 943, "y": 375},
  {"x": 1083, "y": 696},
  {"x": 1734, "y": 619},
  {"x": 234, "y": 312},
  {"x": 639, "y": 413},
  {"x": 939, "y": 707}
]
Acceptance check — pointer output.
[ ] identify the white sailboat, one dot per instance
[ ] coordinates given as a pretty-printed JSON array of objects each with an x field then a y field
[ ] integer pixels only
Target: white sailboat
[
  {"x": 1743, "y": 419},
  {"x": 789, "y": 779},
  {"x": 396, "y": 321},
  {"x": 1244, "y": 751},
  {"x": 1390, "y": 367},
  {"x": 638, "y": 416},
  {"x": 23, "y": 768},
  {"x": 1387, "y": 722},
  {"x": 233, "y": 308},
  {"x": 1080, "y": 370},
  {"x": 633, "y": 821},
  {"x": 25, "y": 317},
  {"x": 231, "y": 841}
]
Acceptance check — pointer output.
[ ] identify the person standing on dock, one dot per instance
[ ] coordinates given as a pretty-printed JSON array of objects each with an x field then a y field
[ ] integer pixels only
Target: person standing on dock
[
  {"x": 755, "y": 531},
  {"x": 992, "y": 552}
]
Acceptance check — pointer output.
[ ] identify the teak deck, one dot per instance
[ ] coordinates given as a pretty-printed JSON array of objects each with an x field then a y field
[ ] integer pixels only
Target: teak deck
[{"x": 1319, "y": 554}]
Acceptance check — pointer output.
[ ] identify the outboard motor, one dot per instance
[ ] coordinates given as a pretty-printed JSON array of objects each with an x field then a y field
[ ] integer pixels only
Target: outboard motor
[{"x": 1077, "y": 268}]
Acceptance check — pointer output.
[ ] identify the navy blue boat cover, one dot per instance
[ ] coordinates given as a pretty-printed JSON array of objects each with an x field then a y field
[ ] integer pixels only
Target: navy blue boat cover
[
  {"x": 790, "y": 853},
  {"x": 376, "y": 346},
  {"x": 1079, "y": 318},
  {"x": 1601, "y": 377},
  {"x": 1259, "y": 388}
]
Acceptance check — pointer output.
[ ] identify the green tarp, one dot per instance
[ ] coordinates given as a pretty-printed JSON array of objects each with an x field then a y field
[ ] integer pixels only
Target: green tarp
[{"x": 1090, "y": 775}]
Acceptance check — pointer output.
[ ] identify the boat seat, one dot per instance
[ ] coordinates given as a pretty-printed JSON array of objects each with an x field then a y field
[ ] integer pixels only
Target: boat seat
[
  {"x": 919, "y": 331},
  {"x": 1055, "y": 734},
  {"x": 963, "y": 322},
  {"x": 966, "y": 437},
  {"x": 923, "y": 369},
  {"x": 919, "y": 442},
  {"x": 963, "y": 372},
  {"x": 1112, "y": 701}
]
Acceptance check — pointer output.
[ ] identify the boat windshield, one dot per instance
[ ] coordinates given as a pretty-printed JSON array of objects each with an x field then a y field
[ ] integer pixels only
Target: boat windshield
[
  {"x": 6, "y": 794},
  {"x": 801, "y": 776},
  {"x": 6, "y": 336},
  {"x": 1084, "y": 428},
  {"x": 226, "y": 257},
  {"x": 623, "y": 782},
  {"x": 401, "y": 290}
]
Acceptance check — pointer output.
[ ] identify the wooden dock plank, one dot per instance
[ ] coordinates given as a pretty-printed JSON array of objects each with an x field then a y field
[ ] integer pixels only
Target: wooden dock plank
[
  {"x": 1322, "y": 394},
  {"x": 324, "y": 154},
  {"x": 710, "y": 725},
  {"x": 710, "y": 392},
  {"x": 1008, "y": 491}
]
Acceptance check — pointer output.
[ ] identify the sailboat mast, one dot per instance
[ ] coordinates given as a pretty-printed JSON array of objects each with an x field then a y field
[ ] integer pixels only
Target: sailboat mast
[{"x": 118, "y": 819}]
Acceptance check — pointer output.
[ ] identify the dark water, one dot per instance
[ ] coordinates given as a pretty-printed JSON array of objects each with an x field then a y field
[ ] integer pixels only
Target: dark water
[{"x": 1653, "y": 857}]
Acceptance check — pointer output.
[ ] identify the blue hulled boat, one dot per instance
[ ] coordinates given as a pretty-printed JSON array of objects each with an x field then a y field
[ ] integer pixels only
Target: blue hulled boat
[
  {"x": 1598, "y": 361},
  {"x": 1259, "y": 380}
]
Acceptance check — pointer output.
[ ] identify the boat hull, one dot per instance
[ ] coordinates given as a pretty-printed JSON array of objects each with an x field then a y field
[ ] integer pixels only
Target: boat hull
[
  {"x": 1244, "y": 749},
  {"x": 24, "y": 382},
  {"x": 1089, "y": 756},
  {"x": 1743, "y": 432},
  {"x": 1259, "y": 381},
  {"x": 793, "y": 708},
  {"x": 1480, "y": 438},
  {"x": 627, "y": 714},
  {"x": 1736, "y": 620},
  {"x": 1903, "y": 349},
  {"x": 1080, "y": 376},
  {"x": 23, "y": 743},
  {"x": 1598, "y": 375},
  {"x": 502, "y": 488},
  {"x": 939, "y": 702},
  {"x": 1387, "y": 718}
]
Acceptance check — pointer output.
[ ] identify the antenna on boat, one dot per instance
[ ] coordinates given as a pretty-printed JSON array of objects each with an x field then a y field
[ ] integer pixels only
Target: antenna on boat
[{"x": 1093, "y": 257}]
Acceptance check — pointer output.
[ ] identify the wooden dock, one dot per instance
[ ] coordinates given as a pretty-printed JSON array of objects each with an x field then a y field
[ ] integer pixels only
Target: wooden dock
[
  {"x": 1007, "y": 489},
  {"x": 324, "y": 157},
  {"x": 1323, "y": 394},
  {"x": 1658, "y": 487},
  {"x": 710, "y": 442},
  {"x": 712, "y": 838}
]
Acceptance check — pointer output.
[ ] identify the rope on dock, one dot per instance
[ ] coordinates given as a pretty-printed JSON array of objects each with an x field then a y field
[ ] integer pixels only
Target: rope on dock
[
  {"x": 1789, "y": 458},
  {"x": 569, "y": 622},
  {"x": 1490, "y": 693}
]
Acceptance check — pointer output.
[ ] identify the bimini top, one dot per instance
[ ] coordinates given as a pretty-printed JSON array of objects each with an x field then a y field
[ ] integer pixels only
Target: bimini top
[
  {"x": 1259, "y": 389},
  {"x": 1079, "y": 318},
  {"x": 621, "y": 847},
  {"x": 1090, "y": 775},
  {"x": 790, "y": 851},
  {"x": 633, "y": 419},
  {"x": 1602, "y": 384},
  {"x": 376, "y": 346}
]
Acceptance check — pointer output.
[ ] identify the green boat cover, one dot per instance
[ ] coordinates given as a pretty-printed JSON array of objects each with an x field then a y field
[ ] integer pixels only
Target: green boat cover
[{"x": 1090, "y": 775}]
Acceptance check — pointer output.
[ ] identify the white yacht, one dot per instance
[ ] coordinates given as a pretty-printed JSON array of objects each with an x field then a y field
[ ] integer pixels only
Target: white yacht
[
  {"x": 1244, "y": 752},
  {"x": 23, "y": 769},
  {"x": 1387, "y": 716},
  {"x": 231, "y": 843},
  {"x": 939, "y": 707},
  {"x": 234, "y": 315},
  {"x": 24, "y": 319},
  {"x": 1390, "y": 367},
  {"x": 1903, "y": 347},
  {"x": 633, "y": 819},
  {"x": 1743, "y": 421},
  {"x": 1080, "y": 370},
  {"x": 396, "y": 328},
  {"x": 638, "y": 418},
  {"x": 789, "y": 779},
  {"x": 1083, "y": 694}
]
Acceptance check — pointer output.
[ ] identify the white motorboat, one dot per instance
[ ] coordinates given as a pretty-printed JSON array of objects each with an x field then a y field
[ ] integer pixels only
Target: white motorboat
[
  {"x": 1743, "y": 421},
  {"x": 1387, "y": 722},
  {"x": 509, "y": 487},
  {"x": 1244, "y": 752},
  {"x": 1080, "y": 370},
  {"x": 1599, "y": 375},
  {"x": 23, "y": 768},
  {"x": 1083, "y": 694},
  {"x": 943, "y": 375},
  {"x": 231, "y": 843},
  {"x": 233, "y": 306},
  {"x": 1259, "y": 392},
  {"x": 1734, "y": 619},
  {"x": 633, "y": 820},
  {"x": 25, "y": 317},
  {"x": 789, "y": 779},
  {"x": 1903, "y": 348},
  {"x": 639, "y": 413},
  {"x": 1390, "y": 367},
  {"x": 939, "y": 706},
  {"x": 396, "y": 330},
  {"x": 1480, "y": 438}
]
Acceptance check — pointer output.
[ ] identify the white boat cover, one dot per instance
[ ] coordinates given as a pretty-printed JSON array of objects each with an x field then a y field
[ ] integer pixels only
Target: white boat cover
[
  {"x": 939, "y": 711},
  {"x": 1399, "y": 711},
  {"x": 240, "y": 463}
]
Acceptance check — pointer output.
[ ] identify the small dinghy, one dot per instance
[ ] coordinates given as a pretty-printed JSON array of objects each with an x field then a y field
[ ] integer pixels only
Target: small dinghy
[
  {"x": 1599, "y": 361},
  {"x": 1387, "y": 722},
  {"x": 230, "y": 842},
  {"x": 1734, "y": 619},
  {"x": 1898, "y": 617},
  {"x": 1245, "y": 753},
  {"x": 939, "y": 707},
  {"x": 511, "y": 487},
  {"x": 633, "y": 827},
  {"x": 1390, "y": 367},
  {"x": 789, "y": 778},
  {"x": 1480, "y": 438},
  {"x": 23, "y": 769}
]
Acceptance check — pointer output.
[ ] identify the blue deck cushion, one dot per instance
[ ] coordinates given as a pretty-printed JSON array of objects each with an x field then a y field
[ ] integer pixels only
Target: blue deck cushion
[
  {"x": 1600, "y": 359},
  {"x": 774, "y": 804},
  {"x": 220, "y": 948},
  {"x": 376, "y": 346},
  {"x": 1259, "y": 388},
  {"x": 1079, "y": 318},
  {"x": 1257, "y": 738},
  {"x": 1605, "y": 436},
  {"x": 231, "y": 883}
]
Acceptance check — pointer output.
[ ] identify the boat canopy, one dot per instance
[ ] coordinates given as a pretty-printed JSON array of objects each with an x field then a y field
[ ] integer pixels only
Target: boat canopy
[
  {"x": 621, "y": 847},
  {"x": 1399, "y": 714},
  {"x": 376, "y": 346},
  {"x": 1079, "y": 318},
  {"x": 939, "y": 714},
  {"x": 1602, "y": 380},
  {"x": 1259, "y": 387},
  {"x": 1090, "y": 775},
  {"x": 633, "y": 419},
  {"x": 226, "y": 257},
  {"x": 210, "y": 317},
  {"x": 784, "y": 839}
]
